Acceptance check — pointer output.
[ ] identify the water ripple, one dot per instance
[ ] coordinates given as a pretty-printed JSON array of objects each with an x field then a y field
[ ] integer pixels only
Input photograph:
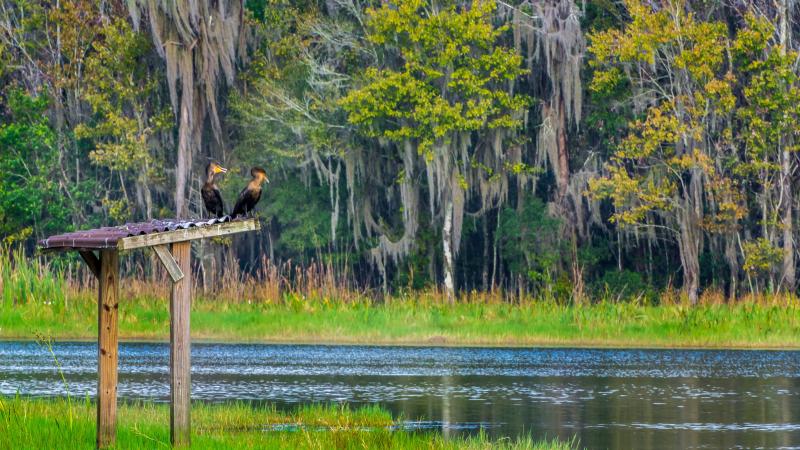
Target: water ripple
[{"x": 649, "y": 399}]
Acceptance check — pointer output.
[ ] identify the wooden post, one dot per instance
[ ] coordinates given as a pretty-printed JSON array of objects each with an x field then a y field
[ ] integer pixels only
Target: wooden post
[
  {"x": 107, "y": 313},
  {"x": 180, "y": 347}
]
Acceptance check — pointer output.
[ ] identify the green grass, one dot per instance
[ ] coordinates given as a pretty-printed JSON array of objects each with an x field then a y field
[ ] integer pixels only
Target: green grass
[
  {"x": 36, "y": 300},
  {"x": 744, "y": 324},
  {"x": 52, "y": 423}
]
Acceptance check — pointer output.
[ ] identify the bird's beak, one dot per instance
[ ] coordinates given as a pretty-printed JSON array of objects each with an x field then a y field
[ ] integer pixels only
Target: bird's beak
[
  {"x": 266, "y": 180},
  {"x": 219, "y": 169}
]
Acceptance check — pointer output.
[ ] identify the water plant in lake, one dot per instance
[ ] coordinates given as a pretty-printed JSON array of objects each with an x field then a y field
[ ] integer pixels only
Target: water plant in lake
[{"x": 38, "y": 423}]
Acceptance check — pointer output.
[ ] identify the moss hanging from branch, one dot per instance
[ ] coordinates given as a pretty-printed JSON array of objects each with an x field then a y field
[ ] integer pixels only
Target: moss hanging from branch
[{"x": 201, "y": 43}]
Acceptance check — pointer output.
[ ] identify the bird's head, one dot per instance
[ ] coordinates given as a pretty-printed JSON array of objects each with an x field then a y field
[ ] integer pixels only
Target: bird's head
[
  {"x": 260, "y": 174},
  {"x": 214, "y": 168}
]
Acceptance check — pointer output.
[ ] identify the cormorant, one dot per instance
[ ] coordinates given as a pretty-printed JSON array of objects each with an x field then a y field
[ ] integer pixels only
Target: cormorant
[
  {"x": 210, "y": 192},
  {"x": 251, "y": 194}
]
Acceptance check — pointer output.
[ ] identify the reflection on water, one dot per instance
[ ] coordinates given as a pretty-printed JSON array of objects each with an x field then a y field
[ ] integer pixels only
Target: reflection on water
[{"x": 608, "y": 398}]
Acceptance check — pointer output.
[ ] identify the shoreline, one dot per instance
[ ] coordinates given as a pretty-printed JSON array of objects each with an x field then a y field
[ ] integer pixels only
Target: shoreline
[
  {"x": 747, "y": 326},
  {"x": 544, "y": 344}
]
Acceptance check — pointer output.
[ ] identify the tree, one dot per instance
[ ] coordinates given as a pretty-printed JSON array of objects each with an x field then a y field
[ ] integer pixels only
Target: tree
[
  {"x": 769, "y": 115},
  {"x": 444, "y": 76},
  {"x": 120, "y": 86},
  {"x": 664, "y": 172},
  {"x": 31, "y": 203}
]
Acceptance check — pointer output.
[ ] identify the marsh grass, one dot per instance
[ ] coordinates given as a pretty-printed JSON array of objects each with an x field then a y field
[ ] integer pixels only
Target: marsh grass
[
  {"x": 47, "y": 343},
  {"x": 27, "y": 423},
  {"x": 290, "y": 304},
  {"x": 29, "y": 280},
  {"x": 745, "y": 324}
]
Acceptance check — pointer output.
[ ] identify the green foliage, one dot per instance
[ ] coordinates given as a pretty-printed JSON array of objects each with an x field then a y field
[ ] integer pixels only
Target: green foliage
[
  {"x": 622, "y": 284},
  {"x": 303, "y": 224},
  {"x": 120, "y": 88},
  {"x": 529, "y": 241},
  {"x": 291, "y": 122},
  {"x": 771, "y": 113},
  {"x": 117, "y": 85},
  {"x": 31, "y": 200},
  {"x": 292, "y": 109},
  {"x": 690, "y": 120},
  {"x": 760, "y": 256},
  {"x": 415, "y": 274},
  {"x": 450, "y": 77},
  {"x": 645, "y": 173},
  {"x": 768, "y": 115}
]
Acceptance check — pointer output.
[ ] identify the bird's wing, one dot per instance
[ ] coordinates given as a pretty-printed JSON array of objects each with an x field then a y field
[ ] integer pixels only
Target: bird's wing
[
  {"x": 208, "y": 197},
  {"x": 238, "y": 209},
  {"x": 220, "y": 205}
]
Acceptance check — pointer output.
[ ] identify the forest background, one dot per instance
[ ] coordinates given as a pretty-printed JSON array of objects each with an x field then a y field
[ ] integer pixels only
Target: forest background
[{"x": 558, "y": 149}]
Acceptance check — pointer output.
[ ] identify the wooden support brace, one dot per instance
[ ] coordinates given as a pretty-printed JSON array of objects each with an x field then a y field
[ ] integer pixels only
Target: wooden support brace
[
  {"x": 169, "y": 262},
  {"x": 107, "y": 314},
  {"x": 92, "y": 261},
  {"x": 180, "y": 348}
]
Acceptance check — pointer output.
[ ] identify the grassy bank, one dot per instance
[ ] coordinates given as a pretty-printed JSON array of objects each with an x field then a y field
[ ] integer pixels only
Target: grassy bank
[
  {"x": 35, "y": 299},
  {"x": 39, "y": 423},
  {"x": 416, "y": 321}
]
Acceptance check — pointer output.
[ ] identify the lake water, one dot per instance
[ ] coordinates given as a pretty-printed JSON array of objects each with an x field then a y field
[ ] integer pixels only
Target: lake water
[{"x": 643, "y": 399}]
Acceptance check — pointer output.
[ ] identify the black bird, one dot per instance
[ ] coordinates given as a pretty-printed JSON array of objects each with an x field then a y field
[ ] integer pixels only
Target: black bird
[
  {"x": 210, "y": 192},
  {"x": 251, "y": 194}
]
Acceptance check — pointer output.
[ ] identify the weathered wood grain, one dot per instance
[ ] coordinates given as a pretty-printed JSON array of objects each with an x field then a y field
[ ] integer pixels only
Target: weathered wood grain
[
  {"x": 107, "y": 315},
  {"x": 180, "y": 348},
  {"x": 175, "y": 272},
  {"x": 168, "y": 237}
]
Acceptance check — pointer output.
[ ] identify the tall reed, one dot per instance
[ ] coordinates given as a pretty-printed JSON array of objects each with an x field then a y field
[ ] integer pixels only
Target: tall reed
[
  {"x": 25, "y": 279},
  {"x": 46, "y": 342},
  {"x": 54, "y": 281},
  {"x": 287, "y": 282}
]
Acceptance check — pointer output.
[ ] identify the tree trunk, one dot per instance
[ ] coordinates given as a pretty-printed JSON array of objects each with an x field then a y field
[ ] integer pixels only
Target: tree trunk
[
  {"x": 788, "y": 272},
  {"x": 690, "y": 261},
  {"x": 563, "y": 158},
  {"x": 184, "y": 162},
  {"x": 447, "y": 247},
  {"x": 565, "y": 207},
  {"x": 495, "y": 256},
  {"x": 485, "y": 269},
  {"x": 788, "y": 269},
  {"x": 559, "y": 161},
  {"x": 731, "y": 256},
  {"x": 690, "y": 236}
]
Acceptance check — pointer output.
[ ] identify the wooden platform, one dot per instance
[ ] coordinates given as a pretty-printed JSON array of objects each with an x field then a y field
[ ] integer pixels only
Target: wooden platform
[
  {"x": 171, "y": 241},
  {"x": 188, "y": 234}
]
